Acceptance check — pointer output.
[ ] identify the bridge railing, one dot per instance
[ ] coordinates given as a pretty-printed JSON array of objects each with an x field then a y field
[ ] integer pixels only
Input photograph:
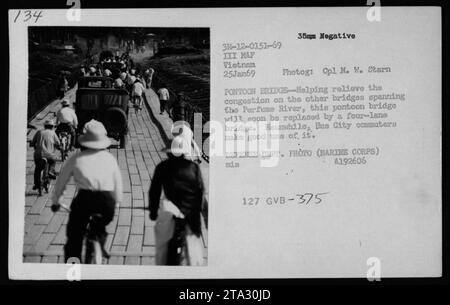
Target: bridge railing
[
  {"x": 190, "y": 111},
  {"x": 39, "y": 98}
]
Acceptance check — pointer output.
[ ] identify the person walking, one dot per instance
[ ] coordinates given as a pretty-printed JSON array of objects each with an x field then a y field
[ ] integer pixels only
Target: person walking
[
  {"x": 99, "y": 183},
  {"x": 176, "y": 196},
  {"x": 45, "y": 143},
  {"x": 63, "y": 86},
  {"x": 148, "y": 75},
  {"x": 163, "y": 98},
  {"x": 180, "y": 127}
]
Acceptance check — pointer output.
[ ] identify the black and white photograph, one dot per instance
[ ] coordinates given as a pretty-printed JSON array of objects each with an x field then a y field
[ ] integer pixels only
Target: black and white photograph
[
  {"x": 114, "y": 174},
  {"x": 216, "y": 143}
]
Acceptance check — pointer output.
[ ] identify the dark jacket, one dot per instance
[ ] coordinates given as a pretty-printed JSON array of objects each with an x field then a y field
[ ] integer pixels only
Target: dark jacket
[
  {"x": 179, "y": 111},
  {"x": 183, "y": 185}
]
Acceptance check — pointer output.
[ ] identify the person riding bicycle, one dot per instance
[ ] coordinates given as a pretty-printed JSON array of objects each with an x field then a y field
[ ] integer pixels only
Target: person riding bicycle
[
  {"x": 63, "y": 86},
  {"x": 45, "y": 143},
  {"x": 176, "y": 197},
  {"x": 67, "y": 121},
  {"x": 136, "y": 93},
  {"x": 99, "y": 182}
]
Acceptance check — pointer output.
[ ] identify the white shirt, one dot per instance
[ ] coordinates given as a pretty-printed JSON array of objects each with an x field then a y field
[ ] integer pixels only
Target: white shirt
[
  {"x": 138, "y": 89},
  {"x": 94, "y": 170},
  {"x": 67, "y": 115},
  {"x": 163, "y": 94}
]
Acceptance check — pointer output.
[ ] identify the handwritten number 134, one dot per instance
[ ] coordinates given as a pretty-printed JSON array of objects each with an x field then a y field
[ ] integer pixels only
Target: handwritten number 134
[{"x": 27, "y": 15}]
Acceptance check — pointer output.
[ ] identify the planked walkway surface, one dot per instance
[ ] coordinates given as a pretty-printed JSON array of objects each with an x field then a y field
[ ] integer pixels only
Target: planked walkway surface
[{"x": 131, "y": 233}]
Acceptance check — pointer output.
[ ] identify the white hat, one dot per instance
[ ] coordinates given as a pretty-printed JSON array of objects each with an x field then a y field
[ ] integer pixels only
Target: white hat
[
  {"x": 178, "y": 146},
  {"x": 92, "y": 69},
  {"x": 94, "y": 136},
  {"x": 107, "y": 72}
]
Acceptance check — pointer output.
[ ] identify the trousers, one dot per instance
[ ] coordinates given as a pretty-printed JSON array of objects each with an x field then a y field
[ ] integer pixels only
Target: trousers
[
  {"x": 40, "y": 166},
  {"x": 85, "y": 204}
]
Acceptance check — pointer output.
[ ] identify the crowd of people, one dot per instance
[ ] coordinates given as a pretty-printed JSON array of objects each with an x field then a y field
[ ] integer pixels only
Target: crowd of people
[
  {"x": 135, "y": 81},
  {"x": 176, "y": 194},
  {"x": 124, "y": 76}
]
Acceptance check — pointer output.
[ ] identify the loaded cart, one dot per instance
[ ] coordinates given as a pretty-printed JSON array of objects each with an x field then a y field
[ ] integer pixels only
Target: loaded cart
[{"x": 107, "y": 105}]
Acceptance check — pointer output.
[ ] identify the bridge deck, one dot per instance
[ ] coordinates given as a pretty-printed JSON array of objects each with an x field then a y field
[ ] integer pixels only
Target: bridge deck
[{"x": 131, "y": 233}]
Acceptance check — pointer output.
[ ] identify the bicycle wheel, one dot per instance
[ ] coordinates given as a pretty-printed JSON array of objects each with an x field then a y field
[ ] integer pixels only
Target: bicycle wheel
[
  {"x": 97, "y": 255},
  {"x": 63, "y": 141},
  {"x": 46, "y": 184},
  {"x": 43, "y": 176},
  {"x": 93, "y": 252}
]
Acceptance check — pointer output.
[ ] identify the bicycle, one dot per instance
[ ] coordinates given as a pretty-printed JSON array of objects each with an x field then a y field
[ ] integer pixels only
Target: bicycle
[
  {"x": 64, "y": 139},
  {"x": 184, "y": 249},
  {"x": 94, "y": 249},
  {"x": 43, "y": 180},
  {"x": 137, "y": 103},
  {"x": 176, "y": 253}
]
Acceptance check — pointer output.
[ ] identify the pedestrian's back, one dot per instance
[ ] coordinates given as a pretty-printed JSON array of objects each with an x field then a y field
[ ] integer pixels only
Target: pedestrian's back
[{"x": 44, "y": 143}]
